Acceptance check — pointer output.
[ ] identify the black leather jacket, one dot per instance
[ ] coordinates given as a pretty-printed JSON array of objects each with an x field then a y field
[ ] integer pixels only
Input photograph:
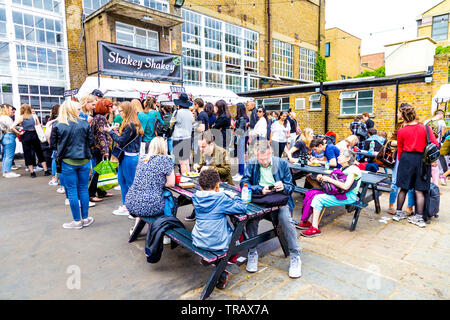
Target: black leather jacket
[{"x": 78, "y": 146}]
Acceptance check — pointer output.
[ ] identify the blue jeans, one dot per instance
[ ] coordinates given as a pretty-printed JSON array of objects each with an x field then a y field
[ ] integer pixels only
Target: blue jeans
[
  {"x": 126, "y": 173},
  {"x": 393, "y": 194},
  {"x": 76, "y": 183},
  {"x": 170, "y": 148},
  {"x": 287, "y": 225},
  {"x": 9, "y": 149},
  {"x": 241, "y": 155}
]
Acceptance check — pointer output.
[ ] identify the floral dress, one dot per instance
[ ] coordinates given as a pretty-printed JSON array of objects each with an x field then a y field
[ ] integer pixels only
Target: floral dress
[{"x": 145, "y": 197}]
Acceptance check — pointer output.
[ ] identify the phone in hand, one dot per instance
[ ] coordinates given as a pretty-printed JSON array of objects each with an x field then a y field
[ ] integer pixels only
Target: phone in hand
[{"x": 271, "y": 187}]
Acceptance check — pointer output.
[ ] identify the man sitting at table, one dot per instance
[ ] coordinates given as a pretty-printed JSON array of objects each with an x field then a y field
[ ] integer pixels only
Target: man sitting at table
[
  {"x": 261, "y": 173},
  {"x": 212, "y": 231},
  {"x": 331, "y": 153},
  {"x": 213, "y": 157}
]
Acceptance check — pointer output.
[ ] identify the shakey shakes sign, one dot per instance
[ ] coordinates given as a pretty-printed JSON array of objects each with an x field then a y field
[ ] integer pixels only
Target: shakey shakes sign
[{"x": 120, "y": 60}]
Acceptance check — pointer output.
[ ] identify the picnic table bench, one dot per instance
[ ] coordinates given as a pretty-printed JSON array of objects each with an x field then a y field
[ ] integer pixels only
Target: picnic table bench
[
  {"x": 368, "y": 180},
  {"x": 183, "y": 238}
]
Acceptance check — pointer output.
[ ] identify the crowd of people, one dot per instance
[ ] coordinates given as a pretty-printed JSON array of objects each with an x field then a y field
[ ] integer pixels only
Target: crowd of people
[{"x": 152, "y": 141}]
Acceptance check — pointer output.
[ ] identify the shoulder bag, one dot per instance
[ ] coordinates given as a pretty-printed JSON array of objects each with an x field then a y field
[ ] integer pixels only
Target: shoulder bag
[
  {"x": 39, "y": 130},
  {"x": 386, "y": 157},
  {"x": 431, "y": 152},
  {"x": 270, "y": 200}
]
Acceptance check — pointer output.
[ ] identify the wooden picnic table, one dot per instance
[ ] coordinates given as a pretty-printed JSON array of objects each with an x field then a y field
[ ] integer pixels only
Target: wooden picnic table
[
  {"x": 369, "y": 180},
  {"x": 239, "y": 221}
]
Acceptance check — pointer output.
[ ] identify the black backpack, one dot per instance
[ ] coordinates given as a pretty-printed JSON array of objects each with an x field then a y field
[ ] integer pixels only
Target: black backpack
[{"x": 431, "y": 152}]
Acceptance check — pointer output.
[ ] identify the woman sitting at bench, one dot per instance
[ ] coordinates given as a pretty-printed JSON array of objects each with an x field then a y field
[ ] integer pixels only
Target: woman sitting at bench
[
  {"x": 346, "y": 159},
  {"x": 153, "y": 173}
]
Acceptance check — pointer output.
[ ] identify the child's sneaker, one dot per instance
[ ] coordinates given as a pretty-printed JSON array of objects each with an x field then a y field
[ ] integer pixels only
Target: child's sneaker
[
  {"x": 311, "y": 232},
  {"x": 223, "y": 281},
  {"x": 417, "y": 220},
  {"x": 232, "y": 268},
  {"x": 303, "y": 225},
  {"x": 399, "y": 215}
]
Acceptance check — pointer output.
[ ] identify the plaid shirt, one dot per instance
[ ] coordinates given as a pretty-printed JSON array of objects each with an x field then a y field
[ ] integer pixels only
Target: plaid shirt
[{"x": 354, "y": 125}]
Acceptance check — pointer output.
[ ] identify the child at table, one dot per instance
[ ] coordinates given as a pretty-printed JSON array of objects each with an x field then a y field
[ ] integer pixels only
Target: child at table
[
  {"x": 346, "y": 159},
  {"x": 212, "y": 231}
]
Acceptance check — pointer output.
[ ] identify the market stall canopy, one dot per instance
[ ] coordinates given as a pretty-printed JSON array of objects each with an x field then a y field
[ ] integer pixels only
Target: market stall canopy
[
  {"x": 129, "y": 89},
  {"x": 442, "y": 96}
]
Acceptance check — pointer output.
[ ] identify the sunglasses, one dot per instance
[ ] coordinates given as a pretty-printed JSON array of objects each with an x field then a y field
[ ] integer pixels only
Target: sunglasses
[{"x": 260, "y": 111}]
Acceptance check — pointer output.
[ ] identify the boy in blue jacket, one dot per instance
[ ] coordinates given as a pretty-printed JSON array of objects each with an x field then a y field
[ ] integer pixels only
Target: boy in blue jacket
[{"x": 212, "y": 231}]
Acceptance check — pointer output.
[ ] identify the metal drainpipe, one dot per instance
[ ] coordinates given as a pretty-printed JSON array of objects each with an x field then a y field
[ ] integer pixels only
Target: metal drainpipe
[
  {"x": 326, "y": 106},
  {"x": 269, "y": 42},
  {"x": 396, "y": 102},
  {"x": 318, "y": 33}
]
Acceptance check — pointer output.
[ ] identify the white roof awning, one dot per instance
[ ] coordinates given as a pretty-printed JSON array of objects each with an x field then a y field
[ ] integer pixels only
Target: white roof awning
[
  {"x": 442, "y": 96},
  {"x": 129, "y": 89}
]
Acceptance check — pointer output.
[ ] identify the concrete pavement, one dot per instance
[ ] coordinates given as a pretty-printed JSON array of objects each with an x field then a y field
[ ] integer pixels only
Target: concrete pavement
[{"x": 41, "y": 260}]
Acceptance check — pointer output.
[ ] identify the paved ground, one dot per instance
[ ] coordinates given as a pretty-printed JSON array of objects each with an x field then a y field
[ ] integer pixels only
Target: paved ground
[{"x": 41, "y": 260}]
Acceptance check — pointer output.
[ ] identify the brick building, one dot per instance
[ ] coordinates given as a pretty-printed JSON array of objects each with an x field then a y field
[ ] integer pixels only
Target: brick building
[
  {"x": 346, "y": 98},
  {"x": 342, "y": 54},
  {"x": 372, "y": 61}
]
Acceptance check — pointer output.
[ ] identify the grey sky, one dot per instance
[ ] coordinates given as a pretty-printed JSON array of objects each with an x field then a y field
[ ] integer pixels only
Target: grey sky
[{"x": 376, "y": 22}]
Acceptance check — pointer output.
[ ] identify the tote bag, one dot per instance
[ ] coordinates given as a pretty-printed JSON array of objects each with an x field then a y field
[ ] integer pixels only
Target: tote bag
[
  {"x": 39, "y": 130},
  {"x": 107, "y": 175}
]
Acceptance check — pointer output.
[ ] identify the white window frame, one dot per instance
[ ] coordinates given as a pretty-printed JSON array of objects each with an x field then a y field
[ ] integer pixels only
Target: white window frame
[
  {"x": 90, "y": 6},
  {"x": 313, "y": 100},
  {"x": 307, "y": 63},
  {"x": 441, "y": 35},
  {"x": 282, "y": 64},
  {"x": 135, "y": 29},
  {"x": 354, "y": 95},
  {"x": 298, "y": 102}
]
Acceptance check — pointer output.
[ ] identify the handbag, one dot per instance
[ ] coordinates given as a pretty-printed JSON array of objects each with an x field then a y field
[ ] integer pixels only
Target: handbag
[
  {"x": 39, "y": 130},
  {"x": 119, "y": 152},
  {"x": 386, "y": 157},
  {"x": 431, "y": 152},
  {"x": 360, "y": 131},
  {"x": 270, "y": 200}
]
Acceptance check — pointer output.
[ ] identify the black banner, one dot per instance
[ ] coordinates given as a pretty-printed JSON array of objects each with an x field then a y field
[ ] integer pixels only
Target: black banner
[{"x": 119, "y": 60}]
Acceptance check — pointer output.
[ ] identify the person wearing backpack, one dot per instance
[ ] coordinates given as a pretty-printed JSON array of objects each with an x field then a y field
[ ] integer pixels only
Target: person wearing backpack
[
  {"x": 359, "y": 128},
  {"x": 438, "y": 125},
  {"x": 413, "y": 172}
]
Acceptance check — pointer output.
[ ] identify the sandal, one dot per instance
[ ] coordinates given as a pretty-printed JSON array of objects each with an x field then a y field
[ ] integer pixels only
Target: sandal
[
  {"x": 391, "y": 211},
  {"x": 107, "y": 195},
  {"x": 95, "y": 199}
]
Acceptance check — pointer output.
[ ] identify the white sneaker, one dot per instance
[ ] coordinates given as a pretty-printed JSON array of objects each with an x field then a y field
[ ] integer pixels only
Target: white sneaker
[
  {"x": 91, "y": 204},
  {"x": 53, "y": 182},
  {"x": 295, "y": 267},
  {"x": 73, "y": 225},
  {"x": 117, "y": 188},
  {"x": 166, "y": 240},
  {"x": 60, "y": 190},
  {"x": 11, "y": 175},
  {"x": 88, "y": 221},
  {"x": 121, "y": 211},
  {"x": 66, "y": 202},
  {"x": 18, "y": 166},
  {"x": 252, "y": 262},
  {"x": 27, "y": 170},
  {"x": 131, "y": 217},
  {"x": 37, "y": 169}
]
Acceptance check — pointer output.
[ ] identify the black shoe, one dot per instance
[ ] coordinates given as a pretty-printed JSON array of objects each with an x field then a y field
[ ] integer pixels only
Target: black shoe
[
  {"x": 47, "y": 173},
  {"x": 191, "y": 217},
  {"x": 232, "y": 268},
  {"x": 223, "y": 281},
  {"x": 33, "y": 174}
]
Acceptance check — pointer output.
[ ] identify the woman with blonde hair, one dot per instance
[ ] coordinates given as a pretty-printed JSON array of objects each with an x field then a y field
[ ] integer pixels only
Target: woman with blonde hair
[
  {"x": 72, "y": 138},
  {"x": 137, "y": 105},
  {"x": 301, "y": 145},
  {"x": 8, "y": 141},
  {"x": 30, "y": 140},
  {"x": 128, "y": 138},
  {"x": 153, "y": 173},
  {"x": 87, "y": 106},
  {"x": 348, "y": 143}
]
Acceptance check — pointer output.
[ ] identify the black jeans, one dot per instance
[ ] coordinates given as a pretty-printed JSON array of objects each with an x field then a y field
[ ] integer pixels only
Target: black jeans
[
  {"x": 93, "y": 190},
  {"x": 30, "y": 143}
]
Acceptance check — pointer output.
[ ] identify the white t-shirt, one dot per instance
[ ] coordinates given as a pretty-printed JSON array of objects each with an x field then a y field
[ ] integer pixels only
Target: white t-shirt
[
  {"x": 279, "y": 131},
  {"x": 6, "y": 123},
  {"x": 260, "y": 129}
]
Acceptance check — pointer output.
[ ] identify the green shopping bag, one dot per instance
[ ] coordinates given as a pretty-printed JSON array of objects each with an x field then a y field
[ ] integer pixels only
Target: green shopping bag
[{"x": 107, "y": 175}]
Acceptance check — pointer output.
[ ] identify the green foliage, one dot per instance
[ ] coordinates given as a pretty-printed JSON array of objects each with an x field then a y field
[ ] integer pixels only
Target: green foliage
[
  {"x": 320, "y": 69},
  {"x": 441, "y": 49},
  {"x": 379, "y": 73}
]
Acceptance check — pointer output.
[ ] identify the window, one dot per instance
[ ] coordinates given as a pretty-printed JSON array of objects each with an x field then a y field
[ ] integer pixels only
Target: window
[
  {"x": 218, "y": 54},
  {"x": 314, "y": 102},
  {"x": 39, "y": 62},
  {"x": 2, "y": 22},
  {"x": 6, "y": 95},
  {"x": 4, "y": 58},
  {"x": 136, "y": 37},
  {"x": 282, "y": 59},
  {"x": 327, "y": 49},
  {"x": 48, "y": 5},
  {"x": 342, "y": 77},
  {"x": 356, "y": 102},
  {"x": 440, "y": 27},
  {"x": 40, "y": 30},
  {"x": 90, "y": 6},
  {"x": 274, "y": 104},
  {"x": 307, "y": 64}
]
